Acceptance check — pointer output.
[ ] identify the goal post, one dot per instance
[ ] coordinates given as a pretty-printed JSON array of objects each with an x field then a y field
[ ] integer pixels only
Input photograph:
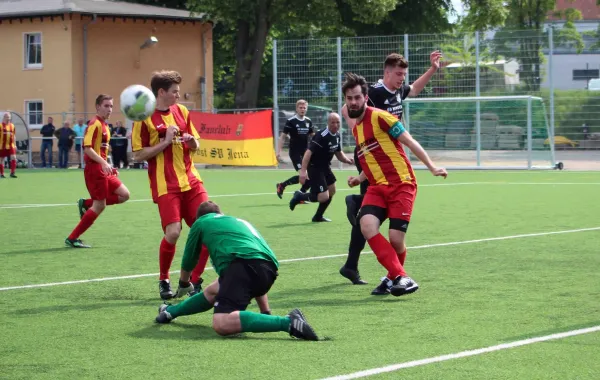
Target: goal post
[{"x": 483, "y": 132}]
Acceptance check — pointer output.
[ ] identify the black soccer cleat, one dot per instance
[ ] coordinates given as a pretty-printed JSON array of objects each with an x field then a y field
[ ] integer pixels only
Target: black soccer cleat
[
  {"x": 320, "y": 220},
  {"x": 164, "y": 288},
  {"x": 280, "y": 190},
  {"x": 382, "y": 289},
  {"x": 403, "y": 285},
  {"x": 352, "y": 275},
  {"x": 163, "y": 315},
  {"x": 12, "y": 175},
  {"x": 352, "y": 209},
  {"x": 295, "y": 201},
  {"x": 299, "y": 327},
  {"x": 2, "y": 176}
]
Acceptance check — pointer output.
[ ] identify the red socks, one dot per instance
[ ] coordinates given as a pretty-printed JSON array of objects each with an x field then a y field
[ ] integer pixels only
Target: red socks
[
  {"x": 386, "y": 255},
  {"x": 13, "y": 166},
  {"x": 2, "y": 167},
  {"x": 199, "y": 269},
  {"x": 86, "y": 222},
  {"x": 165, "y": 258},
  {"x": 402, "y": 257}
]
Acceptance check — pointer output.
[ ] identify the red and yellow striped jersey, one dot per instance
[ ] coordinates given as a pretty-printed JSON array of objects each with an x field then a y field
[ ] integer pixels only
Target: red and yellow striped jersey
[
  {"x": 97, "y": 137},
  {"x": 172, "y": 170},
  {"x": 7, "y": 137},
  {"x": 381, "y": 156}
]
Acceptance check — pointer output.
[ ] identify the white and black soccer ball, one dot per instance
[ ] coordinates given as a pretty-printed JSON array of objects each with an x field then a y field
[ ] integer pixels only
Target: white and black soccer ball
[{"x": 137, "y": 102}]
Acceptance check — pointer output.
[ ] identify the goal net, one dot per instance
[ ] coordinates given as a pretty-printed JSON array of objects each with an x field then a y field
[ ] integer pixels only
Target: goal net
[{"x": 485, "y": 132}]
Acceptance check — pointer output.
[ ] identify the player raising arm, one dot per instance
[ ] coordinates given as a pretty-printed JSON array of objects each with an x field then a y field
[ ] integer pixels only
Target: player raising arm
[
  {"x": 101, "y": 180},
  {"x": 393, "y": 184},
  {"x": 247, "y": 268}
]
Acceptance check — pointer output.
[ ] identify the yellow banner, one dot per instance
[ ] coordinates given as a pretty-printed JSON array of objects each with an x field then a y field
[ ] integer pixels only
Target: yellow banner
[{"x": 255, "y": 152}]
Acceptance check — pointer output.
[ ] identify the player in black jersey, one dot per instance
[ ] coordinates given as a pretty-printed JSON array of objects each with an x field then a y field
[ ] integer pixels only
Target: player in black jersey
[
  {"x": 299, "y": 129},
  {"x": 386, "y": 94},
  {"x": 316, "y": 168}
]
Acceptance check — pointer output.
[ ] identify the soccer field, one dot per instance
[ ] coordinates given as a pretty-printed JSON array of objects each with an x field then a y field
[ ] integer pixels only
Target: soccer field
[{"x": 506, "y": 262}]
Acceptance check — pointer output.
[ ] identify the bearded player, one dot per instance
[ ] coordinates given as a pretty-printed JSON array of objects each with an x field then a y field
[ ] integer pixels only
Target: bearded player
[{"x": 393, "y": 185}]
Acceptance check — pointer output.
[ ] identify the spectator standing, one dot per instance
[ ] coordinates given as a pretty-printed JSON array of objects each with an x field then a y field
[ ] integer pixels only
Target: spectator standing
[
  {"x": 65, "y": 136},
  {"x": 47, "y": 133},
  {"x": 79, "y": 130}
]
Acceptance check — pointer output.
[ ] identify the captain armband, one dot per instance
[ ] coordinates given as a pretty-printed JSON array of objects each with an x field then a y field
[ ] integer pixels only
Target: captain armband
[{"x": 396, "y": 130}]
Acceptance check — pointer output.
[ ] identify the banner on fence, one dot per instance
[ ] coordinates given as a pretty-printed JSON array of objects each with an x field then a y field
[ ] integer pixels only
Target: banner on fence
[{"x": 235, "y": 139}]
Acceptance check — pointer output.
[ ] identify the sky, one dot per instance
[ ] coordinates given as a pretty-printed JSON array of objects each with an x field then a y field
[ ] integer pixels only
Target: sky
[{"x": 459, "y": 8}]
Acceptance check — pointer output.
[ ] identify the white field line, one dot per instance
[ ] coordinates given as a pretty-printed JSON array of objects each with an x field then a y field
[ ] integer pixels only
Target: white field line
[
  {"x": 464, "y": 354},
  {"x": 31, "y": 286},
  {"x": 37, "y": 205}
]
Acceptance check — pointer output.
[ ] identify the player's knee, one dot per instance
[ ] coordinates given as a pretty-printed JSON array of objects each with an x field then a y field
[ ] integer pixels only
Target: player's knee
[
  {"x": 221, "y": 324},
  {"x": 173, "y": 231},
  {"x": 369, "y": 226},
  {"x": 124, "y": 195},
  {"x": 331, "y": 191},
  {"x": 323, "y": 197}
]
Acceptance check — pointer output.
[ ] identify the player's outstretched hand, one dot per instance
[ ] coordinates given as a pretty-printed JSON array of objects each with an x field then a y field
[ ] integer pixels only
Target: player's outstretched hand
[
  {"x": 187, "y": 137},
  {"x": 351, "y": 160},
  {"x": 434, "y": 58},
  {"x": 439, "y": 172},
  {"x": 303, "y": 176},
  {"x": 353, "y": 181}
]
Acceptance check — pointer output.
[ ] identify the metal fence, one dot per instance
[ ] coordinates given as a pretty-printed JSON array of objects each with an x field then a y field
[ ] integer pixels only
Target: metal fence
[{"x": 555, "y": 64}]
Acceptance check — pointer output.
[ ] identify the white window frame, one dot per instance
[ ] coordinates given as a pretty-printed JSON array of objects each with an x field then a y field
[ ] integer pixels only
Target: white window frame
[
  {"x": 27, "y": 101},
  {"x": 26, "y": 64}
]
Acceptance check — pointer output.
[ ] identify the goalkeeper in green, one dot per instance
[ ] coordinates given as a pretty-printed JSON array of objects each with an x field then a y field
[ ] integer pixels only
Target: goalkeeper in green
[{"x": 247, "y": 269}]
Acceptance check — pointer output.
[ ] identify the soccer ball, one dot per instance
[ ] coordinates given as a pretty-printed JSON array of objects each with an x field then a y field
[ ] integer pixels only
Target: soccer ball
[{"x": 137, "y": 102}]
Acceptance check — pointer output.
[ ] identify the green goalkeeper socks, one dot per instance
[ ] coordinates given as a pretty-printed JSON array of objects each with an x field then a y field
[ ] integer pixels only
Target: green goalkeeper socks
[
  {"x": 255, "y": 322},
  {"x": 193, "y": 305}
]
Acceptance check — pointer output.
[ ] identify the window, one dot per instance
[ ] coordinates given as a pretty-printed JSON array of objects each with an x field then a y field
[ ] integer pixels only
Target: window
[
  {"x": 33, "y": 50},
  {"x": 34, "y": 109},
  {"x": 586, "y": 74}
]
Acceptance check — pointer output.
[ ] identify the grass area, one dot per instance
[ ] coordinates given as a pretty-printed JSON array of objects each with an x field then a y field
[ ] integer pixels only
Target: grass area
[{"x": 473, "y": 294}]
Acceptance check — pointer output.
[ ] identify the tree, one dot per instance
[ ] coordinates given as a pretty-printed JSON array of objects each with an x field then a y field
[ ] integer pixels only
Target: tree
[
  {"x": 252, "y": 23},
  {"x": 521, "y": 35}
]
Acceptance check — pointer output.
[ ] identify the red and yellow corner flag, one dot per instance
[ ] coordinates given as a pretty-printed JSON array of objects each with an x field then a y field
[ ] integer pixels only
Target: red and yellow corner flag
[{"x": 235, "y": 139}]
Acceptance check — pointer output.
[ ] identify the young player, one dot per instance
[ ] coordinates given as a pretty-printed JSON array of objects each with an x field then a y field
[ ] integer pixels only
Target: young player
[
  {"x": 387, "y": 94},
  {"x": 299, "y": 129},
  {"x": 247, "y": 268},
  {"x": 168, "y": 141},
  {"x": 8, "y": 148},
  {"x": 393, "y": 185},
  {"x": 316, "y": 168},
  {"x": 101, "y": 180}
]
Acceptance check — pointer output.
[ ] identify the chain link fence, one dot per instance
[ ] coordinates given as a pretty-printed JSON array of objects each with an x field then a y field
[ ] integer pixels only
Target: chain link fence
[{"x": 557, "y": 64}]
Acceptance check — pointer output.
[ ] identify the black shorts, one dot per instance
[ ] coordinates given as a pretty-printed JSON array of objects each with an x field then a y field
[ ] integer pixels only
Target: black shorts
[
  {"x": 320, "y": 179},
  {"x": 296, "y": 158},
  {"x": 242, "y": 281}
]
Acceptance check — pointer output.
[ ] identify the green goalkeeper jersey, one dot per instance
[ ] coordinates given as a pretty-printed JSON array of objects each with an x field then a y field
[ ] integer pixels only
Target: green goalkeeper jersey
[{"x": 227, "y": 238}]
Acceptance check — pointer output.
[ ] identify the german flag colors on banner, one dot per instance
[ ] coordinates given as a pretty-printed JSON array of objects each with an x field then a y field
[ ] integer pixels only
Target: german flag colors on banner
[{"x": 235, "y": 139}]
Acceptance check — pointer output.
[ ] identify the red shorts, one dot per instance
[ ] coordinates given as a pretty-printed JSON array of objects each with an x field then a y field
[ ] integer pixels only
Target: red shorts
[
  {"x": 8, "y": 152},
  {"x": 174, "y": 207},
  {"x": 99, "y": 185},
  {"x": 397, "y": 200}
]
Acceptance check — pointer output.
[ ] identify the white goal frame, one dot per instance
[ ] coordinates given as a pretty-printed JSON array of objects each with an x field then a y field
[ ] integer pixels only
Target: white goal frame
[{"x": 477, "y": 101}]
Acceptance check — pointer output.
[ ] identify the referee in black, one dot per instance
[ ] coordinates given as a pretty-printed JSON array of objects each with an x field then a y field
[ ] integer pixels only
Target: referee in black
[
  {"x": 316, "y": 168},
  {"x": 299, "y": 129}
]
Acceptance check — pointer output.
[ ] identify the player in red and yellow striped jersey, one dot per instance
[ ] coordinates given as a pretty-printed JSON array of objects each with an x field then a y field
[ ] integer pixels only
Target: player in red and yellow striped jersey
[
  {"x": 101, "y": 180},
  {"x": 8, "y": 148},
  {"x": 168, "y": 141},
  {"x": 393, "y": 185}
]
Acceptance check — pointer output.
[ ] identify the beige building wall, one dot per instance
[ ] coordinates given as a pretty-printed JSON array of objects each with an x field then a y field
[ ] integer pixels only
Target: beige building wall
[
  {"x": 50, "y": 83},
  {"x": 115, "y": 59}
]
